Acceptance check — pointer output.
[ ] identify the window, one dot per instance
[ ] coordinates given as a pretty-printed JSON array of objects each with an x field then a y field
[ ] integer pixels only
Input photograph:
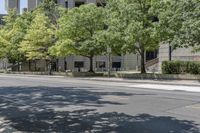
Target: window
[
  {"x": 150, "y": 55},
  {"x": 116, "y": 64},
  {"x": 78, "y": 64},
  {"x": 78, "y": 3},
  {"x": 100, "y": 64}
]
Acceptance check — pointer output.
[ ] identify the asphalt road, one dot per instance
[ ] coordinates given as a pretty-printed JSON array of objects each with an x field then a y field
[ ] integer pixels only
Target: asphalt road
[{"x": 43, "y": 104}]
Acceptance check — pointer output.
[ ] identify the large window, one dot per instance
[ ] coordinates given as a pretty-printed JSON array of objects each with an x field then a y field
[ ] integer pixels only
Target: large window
[
  {"x": 79, "y": 3},
  {"x": 116, "y": 64},
  {"x": 78, "y": 64}
]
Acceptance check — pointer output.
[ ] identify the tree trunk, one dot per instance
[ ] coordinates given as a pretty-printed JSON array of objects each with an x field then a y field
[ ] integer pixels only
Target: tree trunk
[
  {"x": 18, "y": 63},
  {"x": 170, "y": 53},
  {"x": 29, "y": 65},
  {"x": 35, "y": 63},
  {"x": 91, "y": 64},
  {"x": 143, "y": 69}
]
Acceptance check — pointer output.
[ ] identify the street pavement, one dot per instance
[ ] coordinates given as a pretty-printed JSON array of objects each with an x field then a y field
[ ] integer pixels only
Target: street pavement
[{"x": 55, "y": 104}]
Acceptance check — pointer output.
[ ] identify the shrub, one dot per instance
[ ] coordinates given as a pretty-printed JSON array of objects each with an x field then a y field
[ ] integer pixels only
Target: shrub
[{"x": 181, "y": 67}]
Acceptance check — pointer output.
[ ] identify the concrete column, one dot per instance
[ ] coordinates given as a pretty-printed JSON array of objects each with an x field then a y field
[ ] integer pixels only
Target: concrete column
[
  {"x": 71, "y": 3},
  {"x": 91, "y": 1},
  {"x": 61, "y": 2}
]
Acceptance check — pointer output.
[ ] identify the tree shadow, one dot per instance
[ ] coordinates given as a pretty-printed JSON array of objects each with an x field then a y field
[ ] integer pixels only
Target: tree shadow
[{"x": 32, "y": 110}]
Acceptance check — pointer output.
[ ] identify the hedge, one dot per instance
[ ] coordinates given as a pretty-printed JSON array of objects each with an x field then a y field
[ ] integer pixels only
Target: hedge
[{"x": 180, "y": 67}]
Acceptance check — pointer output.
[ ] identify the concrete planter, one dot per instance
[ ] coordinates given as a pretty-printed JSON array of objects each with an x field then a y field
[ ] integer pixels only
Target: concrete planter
[
  {"x": 28, "y": 73},
  {"x": 158, "y": 76},
  {"x": 83, "y": 74}
]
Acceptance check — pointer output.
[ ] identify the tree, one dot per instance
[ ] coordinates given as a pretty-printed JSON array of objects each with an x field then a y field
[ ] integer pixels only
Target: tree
[
  {"x": 78, "y": 31},
  {"x": 51, "y": 10},
  {"x": 136, "y": 21},
  {"x": 180, "y": 23},
  {"x": 39, "y": 38},
  {"x": 6, "y": 34},
  {"x": 190, "y": 30},
  {"x": 12, "y": 34}
]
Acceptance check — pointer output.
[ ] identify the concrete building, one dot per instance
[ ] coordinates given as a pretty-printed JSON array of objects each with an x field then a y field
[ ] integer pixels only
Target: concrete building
[
  {"x": 32, "y": 4},
  {"x": 66, "y": 3},
  {"x": 12, "y": 4}
]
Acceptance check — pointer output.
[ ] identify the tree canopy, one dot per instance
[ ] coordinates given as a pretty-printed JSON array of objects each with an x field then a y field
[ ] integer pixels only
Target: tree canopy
[
  {"x": 136, "y": 22},
  {"x": 78, "y": 32},
  {"x": 180, "y": 23},
  {"x": 125, "y": 26},
  {"x": 12, "y": 34},
  {"x": 39, "y": 37}
]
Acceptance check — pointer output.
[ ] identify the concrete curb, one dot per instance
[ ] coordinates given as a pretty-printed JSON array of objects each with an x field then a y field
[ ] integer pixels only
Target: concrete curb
[{"x": 159, "y": 82}]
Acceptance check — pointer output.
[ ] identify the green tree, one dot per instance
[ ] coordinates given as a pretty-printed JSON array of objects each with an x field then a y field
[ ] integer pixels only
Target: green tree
[
  {"x": 7, "y": 33},
  {"x": 78, "y": 32},
  {"x": 136, "y": 22},
  {"x": 12, "y": 34},
  {"x": 51, "y": 10},
  {"x": 39, "y": 38},
  {"x": 190, "y": 30},
  {"x": 180, "y": 23}
]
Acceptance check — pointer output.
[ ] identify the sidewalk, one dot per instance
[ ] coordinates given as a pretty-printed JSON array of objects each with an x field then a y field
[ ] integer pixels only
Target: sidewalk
[{"x": 137, "y": 81}]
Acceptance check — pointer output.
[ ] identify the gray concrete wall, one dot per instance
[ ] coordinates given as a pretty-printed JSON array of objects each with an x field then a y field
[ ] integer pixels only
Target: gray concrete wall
[
  {"x": 61, "y": 2},
  {"x": 32, "y": 4},
  {"x": 131, "y": 61},
  {"x": 12, "y": 4},
  {"x": 91, "y": 1},
  {"x": 182, "y": 54},
  {"x": 71, "y": 3}
]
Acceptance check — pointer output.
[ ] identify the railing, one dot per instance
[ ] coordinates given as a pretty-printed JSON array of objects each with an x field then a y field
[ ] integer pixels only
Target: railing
[{"x": 152, "y": 62}]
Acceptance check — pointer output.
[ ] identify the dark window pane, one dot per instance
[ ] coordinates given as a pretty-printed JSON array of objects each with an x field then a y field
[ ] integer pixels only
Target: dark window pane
[
  {"x": 77, "y": 4},
  {"x": 116, "y": 64},
  {"x": 78, "y": 64}
]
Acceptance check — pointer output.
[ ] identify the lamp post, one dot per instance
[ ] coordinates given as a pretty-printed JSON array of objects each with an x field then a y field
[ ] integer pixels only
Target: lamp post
[{"x": 109, "y": 50}]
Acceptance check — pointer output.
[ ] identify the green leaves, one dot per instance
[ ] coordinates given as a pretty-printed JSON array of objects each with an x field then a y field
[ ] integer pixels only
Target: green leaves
[
  {"x": 81, "y": 26},
  {"x": 136, "y": 23},
  {"x": 180, "y": 23},
  {"x": 12, "y": 33},
  {"x": 39, "y": 37}
]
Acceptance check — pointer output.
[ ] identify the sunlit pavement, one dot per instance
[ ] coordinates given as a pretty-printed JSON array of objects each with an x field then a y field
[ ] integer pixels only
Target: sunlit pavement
[{"x": 56, "y": 104}]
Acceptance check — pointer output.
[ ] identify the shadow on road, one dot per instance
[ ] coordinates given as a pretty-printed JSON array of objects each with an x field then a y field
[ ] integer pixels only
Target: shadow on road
[{"x": 33, "y": 110}]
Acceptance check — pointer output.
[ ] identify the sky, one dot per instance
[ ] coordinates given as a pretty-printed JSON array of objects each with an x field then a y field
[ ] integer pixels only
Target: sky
[{"x": 23, "y": 4}]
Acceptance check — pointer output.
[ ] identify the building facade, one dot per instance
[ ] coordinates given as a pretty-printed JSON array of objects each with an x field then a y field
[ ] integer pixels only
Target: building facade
[
  {"x": 65, "y": 3},
  {"x": 12, "y": 4}
]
